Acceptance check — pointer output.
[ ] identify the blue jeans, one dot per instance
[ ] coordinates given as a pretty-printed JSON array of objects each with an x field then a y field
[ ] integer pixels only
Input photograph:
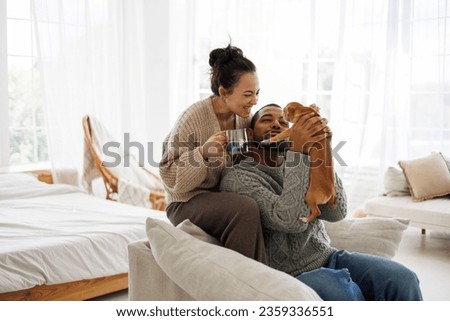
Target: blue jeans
[{"x": 357, "y": 276}]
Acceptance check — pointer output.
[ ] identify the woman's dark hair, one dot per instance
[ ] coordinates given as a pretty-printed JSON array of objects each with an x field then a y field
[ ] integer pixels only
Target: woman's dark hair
[{"x": 227, "y": 66}]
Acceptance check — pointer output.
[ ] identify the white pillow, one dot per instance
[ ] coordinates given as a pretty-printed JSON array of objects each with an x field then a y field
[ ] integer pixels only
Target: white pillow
[
  {"x": 371, "y": 235},
  {"x": 395, "y": 183},
  {"x": 209, "y": 272},
  {"x": 18, "y": 179}
]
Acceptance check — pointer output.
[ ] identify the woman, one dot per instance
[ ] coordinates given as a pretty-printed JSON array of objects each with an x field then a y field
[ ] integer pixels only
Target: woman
[{"x": 194, "y": 157}]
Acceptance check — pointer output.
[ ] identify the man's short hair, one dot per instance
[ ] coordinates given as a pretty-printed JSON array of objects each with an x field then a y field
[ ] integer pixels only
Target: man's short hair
[{"x": 256, "y": 115}]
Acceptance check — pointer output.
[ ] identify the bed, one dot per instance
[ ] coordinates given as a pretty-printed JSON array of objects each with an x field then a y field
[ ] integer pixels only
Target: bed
[{"x": 59, "y": 243}]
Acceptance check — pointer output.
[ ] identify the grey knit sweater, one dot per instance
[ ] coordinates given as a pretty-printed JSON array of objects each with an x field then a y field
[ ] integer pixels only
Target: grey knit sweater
[
  {"x": 182, "y": 168},
  {"x": 292, "y": 246}
]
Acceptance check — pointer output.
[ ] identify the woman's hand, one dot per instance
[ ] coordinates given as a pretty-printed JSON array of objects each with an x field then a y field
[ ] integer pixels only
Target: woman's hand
[
  {"x": 214, "y": 146},
  {"x": 308, "y": 130}
]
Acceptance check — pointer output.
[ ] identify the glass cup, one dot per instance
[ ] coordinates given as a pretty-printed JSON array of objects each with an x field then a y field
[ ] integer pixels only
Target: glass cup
[{"x": 237, "y": 141}]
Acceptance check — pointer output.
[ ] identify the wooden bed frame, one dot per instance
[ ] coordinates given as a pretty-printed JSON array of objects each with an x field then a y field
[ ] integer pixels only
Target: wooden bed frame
[{"x": 70, "y": 291}]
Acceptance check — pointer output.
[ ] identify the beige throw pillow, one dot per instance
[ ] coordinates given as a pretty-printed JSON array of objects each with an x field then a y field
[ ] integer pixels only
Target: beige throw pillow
[
  {"x": 428, "y": 177},
  {"x": 209, "y": 272},
  {"x": 371, "y": 235}
]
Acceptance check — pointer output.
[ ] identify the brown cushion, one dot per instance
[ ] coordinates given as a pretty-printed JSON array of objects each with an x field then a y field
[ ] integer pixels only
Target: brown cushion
[{"x": 428, "y": 177}]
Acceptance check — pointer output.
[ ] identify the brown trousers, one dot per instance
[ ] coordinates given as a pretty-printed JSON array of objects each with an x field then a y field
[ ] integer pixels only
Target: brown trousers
[{"x": 231, "y": 218}]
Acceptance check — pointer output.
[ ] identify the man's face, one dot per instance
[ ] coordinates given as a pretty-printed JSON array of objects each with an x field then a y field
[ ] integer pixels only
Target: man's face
[{"x": 269, "y": 123}]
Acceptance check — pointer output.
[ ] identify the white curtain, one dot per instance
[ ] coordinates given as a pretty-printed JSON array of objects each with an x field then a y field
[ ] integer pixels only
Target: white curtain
[
  {"x": 379, "y": 70},
  {"x": 390, "y": 88},
  {"x": 106, "y": 58}
]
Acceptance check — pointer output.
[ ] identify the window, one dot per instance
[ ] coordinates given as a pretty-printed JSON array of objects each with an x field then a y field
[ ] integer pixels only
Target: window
[
  {"x": 429, "y": 115},
  {"x": 378, "y": 69},
  {"x": 24, "y": 139},
  {"x": 263, "y": 36}
]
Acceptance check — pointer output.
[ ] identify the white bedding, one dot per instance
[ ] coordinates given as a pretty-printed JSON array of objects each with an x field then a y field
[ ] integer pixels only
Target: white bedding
[{"x": 51, "y": 234}]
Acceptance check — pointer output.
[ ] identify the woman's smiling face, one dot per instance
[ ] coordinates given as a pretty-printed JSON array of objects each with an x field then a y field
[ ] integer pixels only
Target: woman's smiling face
[{"x": 244, "y": 95}]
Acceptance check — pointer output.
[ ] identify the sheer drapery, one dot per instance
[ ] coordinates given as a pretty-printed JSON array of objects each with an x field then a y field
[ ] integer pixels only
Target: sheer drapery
[
  {"x": 379, "y": 70},
  {"x": 105, "y": 58},
  {"x": 390, "y": 90}
]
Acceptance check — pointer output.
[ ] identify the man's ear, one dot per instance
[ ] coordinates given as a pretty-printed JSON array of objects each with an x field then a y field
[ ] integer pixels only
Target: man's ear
[
  {"x": 249, "y": 134},
  {"x": 289, "y": 113}
]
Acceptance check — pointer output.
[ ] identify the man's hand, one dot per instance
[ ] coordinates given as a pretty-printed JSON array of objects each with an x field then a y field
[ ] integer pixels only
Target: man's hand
[{"x": 308, "y": 130}]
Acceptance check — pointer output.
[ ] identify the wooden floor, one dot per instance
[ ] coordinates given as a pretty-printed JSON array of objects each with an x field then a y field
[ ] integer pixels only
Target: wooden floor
[{"x": 429, "y": 256}]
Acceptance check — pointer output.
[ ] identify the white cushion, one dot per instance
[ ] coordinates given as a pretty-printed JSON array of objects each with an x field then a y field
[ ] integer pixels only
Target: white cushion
[
  {"x": 434, "y": 213},
  {"x": 209, "y": 272},
  {"x": 16, "y": 179},
  {"x": 378, "y": 236},
  {"x": 395, "y": 183}
]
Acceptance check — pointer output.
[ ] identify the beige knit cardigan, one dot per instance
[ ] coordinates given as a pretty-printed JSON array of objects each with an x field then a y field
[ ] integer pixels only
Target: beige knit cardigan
[{"x": 182, "y": 168}]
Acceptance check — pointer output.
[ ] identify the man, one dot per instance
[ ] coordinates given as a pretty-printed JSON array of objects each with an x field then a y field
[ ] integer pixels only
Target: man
[{"x": 278, "y": 181}]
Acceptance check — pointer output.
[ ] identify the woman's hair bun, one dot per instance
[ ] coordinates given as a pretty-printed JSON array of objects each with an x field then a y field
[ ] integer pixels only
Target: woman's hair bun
[
  {"x": 227, "y": 66},
  {"x": 224, "y": 55}
]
